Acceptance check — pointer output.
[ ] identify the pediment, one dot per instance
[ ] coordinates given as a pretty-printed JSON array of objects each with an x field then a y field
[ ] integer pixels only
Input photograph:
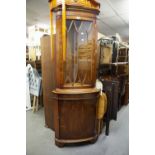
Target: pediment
[{"x": 92, "y": 4}]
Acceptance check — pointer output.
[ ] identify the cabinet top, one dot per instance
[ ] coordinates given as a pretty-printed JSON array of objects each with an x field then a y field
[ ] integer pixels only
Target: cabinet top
[
  {"x": 82, "y": 1},
  {"x": 91, "y": 4}
]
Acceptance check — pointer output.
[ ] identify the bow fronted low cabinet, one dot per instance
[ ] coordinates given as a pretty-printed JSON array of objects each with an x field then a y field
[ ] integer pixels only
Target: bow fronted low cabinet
[{"x": 74, "y": 54}]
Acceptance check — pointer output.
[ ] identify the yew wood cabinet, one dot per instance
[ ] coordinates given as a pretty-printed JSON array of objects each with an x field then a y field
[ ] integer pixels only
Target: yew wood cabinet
[{"x": 74, "y": 55}]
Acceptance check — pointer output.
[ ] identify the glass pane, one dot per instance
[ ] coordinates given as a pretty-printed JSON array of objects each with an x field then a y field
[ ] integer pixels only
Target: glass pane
[
  {"x": 85, "y": 50},
  {"x": 79, "y": 53}
]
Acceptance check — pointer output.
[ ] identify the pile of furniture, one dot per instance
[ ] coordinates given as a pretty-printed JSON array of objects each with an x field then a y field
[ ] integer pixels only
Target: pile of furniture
[{"x": 113, "y": 72}]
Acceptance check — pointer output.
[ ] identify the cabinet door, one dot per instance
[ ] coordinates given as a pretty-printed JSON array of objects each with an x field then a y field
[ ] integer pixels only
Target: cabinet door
[
  {"x": 79, "y": 66},
  {"x": 77, "y": 118}
]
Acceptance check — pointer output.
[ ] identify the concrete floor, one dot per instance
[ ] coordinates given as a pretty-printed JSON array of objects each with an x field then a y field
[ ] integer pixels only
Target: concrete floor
[{"x": 40, "y": 140}]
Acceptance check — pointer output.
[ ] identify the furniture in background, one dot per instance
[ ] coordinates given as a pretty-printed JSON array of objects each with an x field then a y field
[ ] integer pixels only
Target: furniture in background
[
  {"x": 37, "y": 65},
  {"x": 113, "y": 72},
  {"x": 126, "y": 95},
  {"x": 32, "y": 63},
  {"x": 27, "y": 53},
  {"x": 116, "y": 69},
  {"x": 110, "y": 88},
  {"x": 34, "y": 86},
  {"x": 28, "y": 98},
  {"x": 48, "y": 80}
]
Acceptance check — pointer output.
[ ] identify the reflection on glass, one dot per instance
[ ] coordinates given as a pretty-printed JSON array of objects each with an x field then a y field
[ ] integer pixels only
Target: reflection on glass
[{"x": 78, "y": 69}]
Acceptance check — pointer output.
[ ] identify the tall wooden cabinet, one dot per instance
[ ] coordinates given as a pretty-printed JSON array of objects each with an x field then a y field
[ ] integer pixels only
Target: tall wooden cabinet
[
  {"x": 74, "y": 53},
  {"x": 48, "y": 81}
]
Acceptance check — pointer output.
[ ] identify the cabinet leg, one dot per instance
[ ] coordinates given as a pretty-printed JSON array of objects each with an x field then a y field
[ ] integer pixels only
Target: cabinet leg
[
  {"x": 93, "y": 140},
  {"x": 46, "y": 126},
  {"x": 59, "y": 144},
  {"x": 107, "y": 128}
]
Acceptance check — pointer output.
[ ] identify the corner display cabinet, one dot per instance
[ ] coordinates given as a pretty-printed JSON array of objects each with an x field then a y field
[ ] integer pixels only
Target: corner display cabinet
[{"x": 74, "y": 53}]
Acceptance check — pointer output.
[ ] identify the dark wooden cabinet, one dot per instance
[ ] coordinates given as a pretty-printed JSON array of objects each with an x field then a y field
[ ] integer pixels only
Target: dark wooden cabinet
[
  {"x": 74, "y": 54},
  {"x": 110, "y": 87}
]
